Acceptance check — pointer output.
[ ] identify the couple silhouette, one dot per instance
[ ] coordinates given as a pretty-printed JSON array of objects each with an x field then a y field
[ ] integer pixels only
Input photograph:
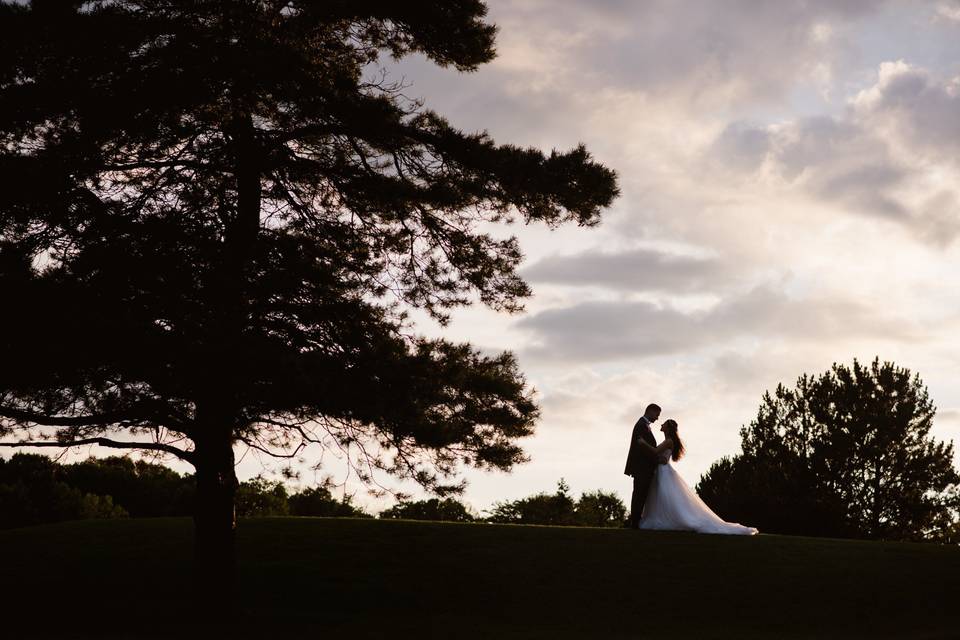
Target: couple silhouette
[{"x": 661, "y": 498}]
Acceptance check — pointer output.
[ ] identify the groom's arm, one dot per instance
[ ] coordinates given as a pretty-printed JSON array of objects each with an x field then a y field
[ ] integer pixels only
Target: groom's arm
[
  {"x": 662, "y": 448},
  {"x": 650, "y": 452}
]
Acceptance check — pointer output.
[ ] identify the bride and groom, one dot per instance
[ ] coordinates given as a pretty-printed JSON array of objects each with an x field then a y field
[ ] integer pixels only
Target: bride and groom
[{"x": 661, "y": 499}]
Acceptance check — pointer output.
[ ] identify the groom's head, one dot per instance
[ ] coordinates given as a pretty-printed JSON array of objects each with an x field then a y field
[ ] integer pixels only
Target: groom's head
[{"x": 652, "y": 413}]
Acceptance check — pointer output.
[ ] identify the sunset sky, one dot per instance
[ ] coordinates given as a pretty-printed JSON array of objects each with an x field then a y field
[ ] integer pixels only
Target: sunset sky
[
  {"x": 791, "y": 198},
  {"x": 790, "y": 177}
]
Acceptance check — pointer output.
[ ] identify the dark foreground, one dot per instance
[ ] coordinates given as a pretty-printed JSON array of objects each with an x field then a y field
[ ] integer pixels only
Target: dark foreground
[{"x": 320, "y": 578}]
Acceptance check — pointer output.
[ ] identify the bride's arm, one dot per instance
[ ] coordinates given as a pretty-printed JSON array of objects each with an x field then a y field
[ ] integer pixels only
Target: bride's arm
[
  {"x": 663, "y": 446},
  {"x": 663, "y": 451}
]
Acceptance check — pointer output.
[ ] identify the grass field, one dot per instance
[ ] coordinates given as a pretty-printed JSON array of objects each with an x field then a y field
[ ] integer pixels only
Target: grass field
[{"x": 316, "y": 578}]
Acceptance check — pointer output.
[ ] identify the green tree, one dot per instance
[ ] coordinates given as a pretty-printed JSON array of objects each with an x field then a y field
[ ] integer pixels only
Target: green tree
[
  {"x": 542, "y": 508},
  {"x": 600, "y": 509},
  {"x": 33, "y": 491},
  {"x": 214, "y": 216},
  {"x": 846, "y": 453},
  {"x": 775, "y": 493},
  {"x": 69, "y": 503},
  {"x": 949, "y": 534},
  {"x": 260, "y": 497},
  {"x": 142, "y": 488},
  {"x": 447, "y": 510},
  {"x": 319, "y": 502},
  {"x": 16, "y": 507}
]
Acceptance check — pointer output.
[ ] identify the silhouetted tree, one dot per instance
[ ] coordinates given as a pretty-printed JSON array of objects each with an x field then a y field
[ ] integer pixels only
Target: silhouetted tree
[
  {"x": 848, "y": 453},
  {"x": 600, "y": 509},
  {"x": 950, "y": 534},
  {"x": 33, "y": 491},
  {"x": 213, "y": 215},
  {"x": 142, "y": 488},
  {"x": 447, "y": 510},
  {"x": 593, "y": 509},
  {"x": 318, "y": 501},
  {"x": 16, "y": 507},
  {"x": 260, "y": 497},
  {"x": 776, "y": 493}
]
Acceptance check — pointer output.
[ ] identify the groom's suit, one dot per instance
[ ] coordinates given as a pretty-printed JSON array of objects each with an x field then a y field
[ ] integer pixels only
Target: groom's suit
[{"x": 641, "y": 466}]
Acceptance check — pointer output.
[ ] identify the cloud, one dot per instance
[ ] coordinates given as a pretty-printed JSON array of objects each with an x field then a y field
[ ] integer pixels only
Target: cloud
[
  {"x": 648, "y": 85},
  {"x": 905, "y": 102},
  {"x": 562, "y": 62},
  {"x": 833, "y": 159},
  {"x": 890, "y": 155},
  {"x": 948, "y": 12},
  {"x": 829, "y": 153},
  {"x": 939, "y": 219},
  {"x": 609, "y": 330},
  {"x": 713, "y": 52},
  {"x": 742, "y": 146},
  {"x": 948, "y": 417},
  {"x": 864, "y": 188},
  {"x": 911, "y": 104},
  {"x": 635, "y": 270}
]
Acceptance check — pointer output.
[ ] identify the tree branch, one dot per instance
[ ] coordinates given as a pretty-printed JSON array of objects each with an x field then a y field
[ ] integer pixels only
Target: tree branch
[
  {"x": 158, "y": 164},
  {"x": 273, "y": 454},
  {"x": 103, "y": 419},
  {"x": 106, "y": 442}
]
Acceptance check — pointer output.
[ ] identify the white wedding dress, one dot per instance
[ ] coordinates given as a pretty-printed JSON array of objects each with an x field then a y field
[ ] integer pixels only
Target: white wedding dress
[{"x": 672, "y": 505}]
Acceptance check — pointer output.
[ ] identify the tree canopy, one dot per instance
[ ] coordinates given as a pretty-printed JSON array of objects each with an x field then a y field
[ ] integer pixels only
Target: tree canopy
[
  {"x": 445, "y": 510},
  {"x": 592, "y": 509},
  {"x": 215, "y": 216},
  {"x": 847, "y": 453}
]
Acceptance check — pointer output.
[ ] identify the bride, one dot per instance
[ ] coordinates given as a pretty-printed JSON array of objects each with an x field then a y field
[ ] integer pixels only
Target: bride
[{"x": 671, "y": 504}]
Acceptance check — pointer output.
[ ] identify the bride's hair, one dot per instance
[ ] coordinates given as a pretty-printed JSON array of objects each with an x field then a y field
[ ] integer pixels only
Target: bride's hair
[{"x": 671, "y": 428}]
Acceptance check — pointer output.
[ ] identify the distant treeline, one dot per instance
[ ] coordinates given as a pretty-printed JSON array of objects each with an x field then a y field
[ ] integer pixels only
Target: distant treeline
[
  {"x": 261, "y": 497},
  {"x": 35, "y": 489},
  {"x": 591, "y": 509}
]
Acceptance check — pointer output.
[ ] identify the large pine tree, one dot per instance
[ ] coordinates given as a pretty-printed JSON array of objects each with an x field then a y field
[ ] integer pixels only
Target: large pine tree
[{"x": 213, "y": 216}]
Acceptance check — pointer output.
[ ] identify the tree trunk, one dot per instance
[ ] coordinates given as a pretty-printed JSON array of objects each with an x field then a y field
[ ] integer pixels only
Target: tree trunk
[
  {"x": 215, "y": 516},
  {"x": 877, "y": 502},
  {"x": 215, "y": 525}
]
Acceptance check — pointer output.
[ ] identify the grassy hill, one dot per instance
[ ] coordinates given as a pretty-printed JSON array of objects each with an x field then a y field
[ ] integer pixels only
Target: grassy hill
[{"x": 391, "y": 579}]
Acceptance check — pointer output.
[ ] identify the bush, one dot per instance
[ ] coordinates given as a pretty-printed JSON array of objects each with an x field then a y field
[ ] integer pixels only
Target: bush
[
  {"x": 16, "y": 507},
  {"x": 446, "y": 510},
  {"x": 35, "y": 489},
  {"x": 596, "y": 509},
  {"x": 600, "y": 509},
  {"x": 318, "y": 501},
  {"x": 142, "y": 488},
  {"x": 260, "y": 497},
  {"x": 31, "y": 493},
  {"x": 69, "y": 503}
]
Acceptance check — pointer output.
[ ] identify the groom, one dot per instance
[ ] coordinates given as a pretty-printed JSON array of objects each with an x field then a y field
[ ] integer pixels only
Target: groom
[{"x": 642, "y": 462}]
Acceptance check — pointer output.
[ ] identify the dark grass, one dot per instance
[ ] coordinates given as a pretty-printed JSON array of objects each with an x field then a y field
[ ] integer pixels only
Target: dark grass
[{"x": 317, "y": 578}]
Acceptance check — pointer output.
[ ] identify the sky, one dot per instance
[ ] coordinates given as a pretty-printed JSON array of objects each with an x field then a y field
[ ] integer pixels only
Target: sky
[
  {"x": 790, "y": 199},
  {"x": 790, "y": 177}
]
